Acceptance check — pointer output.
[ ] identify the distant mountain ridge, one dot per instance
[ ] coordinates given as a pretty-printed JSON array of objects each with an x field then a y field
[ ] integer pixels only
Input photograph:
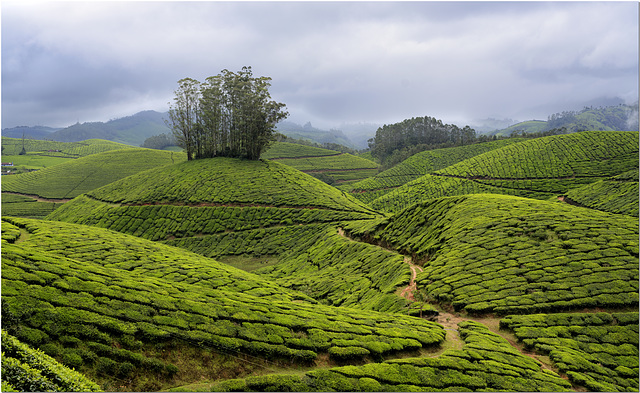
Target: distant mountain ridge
[
  {"x": 608, "y": 118},
  {"x": 130, "y": 130}
]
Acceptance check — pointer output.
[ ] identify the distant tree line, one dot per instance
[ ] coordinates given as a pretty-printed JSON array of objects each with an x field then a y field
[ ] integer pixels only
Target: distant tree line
[
  {"x": 395, "y": 142},
  {"x": 230, "y": 114},
  {"x": 159, "y": 142}
]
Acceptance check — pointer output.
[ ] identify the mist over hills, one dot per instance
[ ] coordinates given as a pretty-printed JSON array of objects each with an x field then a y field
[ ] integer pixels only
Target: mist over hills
[{"x": 604, "y": 114}]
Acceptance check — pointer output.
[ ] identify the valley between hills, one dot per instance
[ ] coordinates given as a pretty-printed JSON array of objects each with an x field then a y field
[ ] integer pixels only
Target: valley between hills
[{"x": 505, "y": 265}]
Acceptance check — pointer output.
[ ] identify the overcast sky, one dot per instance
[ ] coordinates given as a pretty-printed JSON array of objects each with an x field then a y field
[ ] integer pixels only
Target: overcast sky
[{"x": 331, "y": 62}]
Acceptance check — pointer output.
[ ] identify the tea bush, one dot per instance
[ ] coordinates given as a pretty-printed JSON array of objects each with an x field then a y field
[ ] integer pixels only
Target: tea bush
[
  {"x": 492, "y": 253},
  {"x": 487, "y": 362},
  {"x": 596, "y": 350},
  {"x": 92, "y": 293},
  {"x": 28, "y": 369}
]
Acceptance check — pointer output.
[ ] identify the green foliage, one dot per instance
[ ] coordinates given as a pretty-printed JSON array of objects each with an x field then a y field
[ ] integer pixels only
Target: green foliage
[
  {"x": 537, "y": 168},
  {"x": 492, "y": 253},
  {"x": 420, "y": 164},
  {"x": 427, "y": 131},
  {"x": 108, "y": 288},
  {"x": 28, "y": 370},
  {"x": 618, "y": 194},
  {"x": 229, "y": 115},
  {"x": 280, "y": 150},
  {"x": 596, "y": 350},
  {"x": 486, "y": 363},
  {"x": 75, "y": 177}
]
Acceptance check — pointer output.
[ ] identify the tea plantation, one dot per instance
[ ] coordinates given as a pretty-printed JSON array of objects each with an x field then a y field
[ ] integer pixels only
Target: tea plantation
[
  {"x": 227, "y": 274},
  {"x": 486, "y": 363},
  {"x": 617, "y": 194},
  {"x": 418, "y": 165},
  {"x": 493, "y": 253},
  {"x": 327, "y": 165},
  {"x": 537, "y": 168},
  {"x": 124, "y": 322},
  {"x": 70, "y": 179},
  {"x": 598, "y": 351}
]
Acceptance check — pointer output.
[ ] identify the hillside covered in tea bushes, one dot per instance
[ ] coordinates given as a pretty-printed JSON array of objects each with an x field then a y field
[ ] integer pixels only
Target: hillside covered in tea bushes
[
  {"x": 539, "y": 168},
  {"x": 123, "y": 310},
  {"x": 509, "y": 265}
]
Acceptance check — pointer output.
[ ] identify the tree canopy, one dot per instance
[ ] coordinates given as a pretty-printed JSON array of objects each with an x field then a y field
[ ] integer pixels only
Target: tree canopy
[{"x": 230, "y": 114}]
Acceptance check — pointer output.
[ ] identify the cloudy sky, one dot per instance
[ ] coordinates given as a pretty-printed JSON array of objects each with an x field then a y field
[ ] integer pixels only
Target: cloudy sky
[{"x": 331, "y": 62}]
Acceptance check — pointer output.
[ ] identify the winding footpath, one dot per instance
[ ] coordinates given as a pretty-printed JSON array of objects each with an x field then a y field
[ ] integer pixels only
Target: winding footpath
[{"x": 449, "y": 321}]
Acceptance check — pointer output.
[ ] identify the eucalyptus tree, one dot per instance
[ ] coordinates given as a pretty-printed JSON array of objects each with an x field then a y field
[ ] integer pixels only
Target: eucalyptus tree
[
  {"x": 184, "y": 116},
  {"x": 230, "y": 114}
]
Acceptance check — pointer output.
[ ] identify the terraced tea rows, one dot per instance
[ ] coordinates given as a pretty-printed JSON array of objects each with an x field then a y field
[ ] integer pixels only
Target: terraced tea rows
[
  {"x": 13, "y": 147},
  {"x": 70, "y": 179},
  {"x": 111, "y": 316},
  {"x": 486, "y": 363},
  {"x": 538, "y": 168},
  {"x": 24, "y": 206},
  {"x": 492, "y": 253},
  {"x": 618, "y": 194},
  {"x": 162, "y": 222},
  {"x": 281, "y": 150},
  {"x": 27, "y": 369},
  {"x": 418, "y": 165},
  {"x": 598, "y": 351}
]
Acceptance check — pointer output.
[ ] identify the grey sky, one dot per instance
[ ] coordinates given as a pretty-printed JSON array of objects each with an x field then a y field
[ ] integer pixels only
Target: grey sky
[{"x": 331, "y": 62}]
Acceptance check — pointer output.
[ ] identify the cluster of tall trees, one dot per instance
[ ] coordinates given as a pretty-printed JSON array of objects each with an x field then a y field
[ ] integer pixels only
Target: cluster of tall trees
[
  {"x": 159, "y": 142},
  {"x": 230, "y": 114},
  {"x": 395, "y": 141}
]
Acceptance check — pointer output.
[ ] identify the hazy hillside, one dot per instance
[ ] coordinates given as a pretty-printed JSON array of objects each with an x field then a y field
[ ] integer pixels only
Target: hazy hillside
[
  {"x": 131, "y": 130},
  {"x": 608, "y": 118},
  {"x": 310, "y": 133},
  {"x": 35, "y": 132}
]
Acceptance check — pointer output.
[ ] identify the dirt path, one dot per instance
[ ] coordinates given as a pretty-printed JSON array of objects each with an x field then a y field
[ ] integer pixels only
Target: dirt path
[
  {"x": 409, "y": 291},
  {"x": 38, "y": 198},
  {"x": 449, "y": 322}
]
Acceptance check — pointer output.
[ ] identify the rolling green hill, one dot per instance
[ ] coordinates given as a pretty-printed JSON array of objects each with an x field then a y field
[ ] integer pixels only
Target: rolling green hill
[
  {"x": 135, "y": 315},
  {"x": 48, "y": 188},
  {"x": 618, "y": 194},
  {"x": 232, "y": 209},
  {"x": 233, "y": 275},
  {"x": 42, "y": 154},
  {"x": 502, "y": 254},
  {"x": 327, "y": 165},
  {"x": 418, "y": 165},
  {"x": 538, "y": 168}
]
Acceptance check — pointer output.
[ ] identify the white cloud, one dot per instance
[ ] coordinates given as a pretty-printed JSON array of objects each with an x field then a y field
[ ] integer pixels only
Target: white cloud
[{"x": 334, "y": 62}]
